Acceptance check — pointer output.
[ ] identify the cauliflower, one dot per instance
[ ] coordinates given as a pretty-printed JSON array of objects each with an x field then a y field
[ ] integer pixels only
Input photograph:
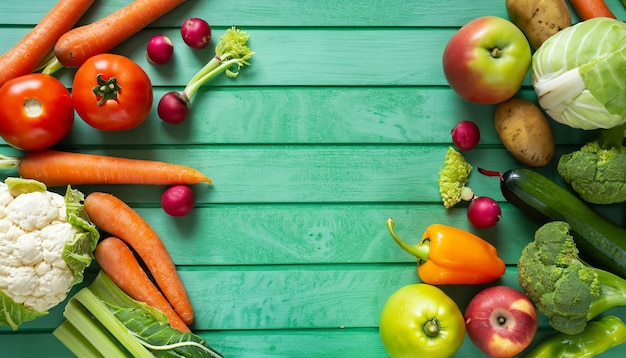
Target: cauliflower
[
  {"x": 46, "y": 242},
  {"x": 567, "y": 290},
  {"x": 597, "y": 171},
  {"x": 453, "y": 178}
]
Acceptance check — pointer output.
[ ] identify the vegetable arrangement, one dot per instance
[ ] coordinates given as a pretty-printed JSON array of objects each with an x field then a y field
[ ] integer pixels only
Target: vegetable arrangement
[
  {"x": 578, "y": 87},
  {"x": 49, "y": 240}
]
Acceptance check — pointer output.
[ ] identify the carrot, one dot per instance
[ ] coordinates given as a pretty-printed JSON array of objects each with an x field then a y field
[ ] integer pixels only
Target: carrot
[
  {"x": 115, "y": 217},
  {"x": 58, "y": 168},
  {"x": 77, "y": 45},
  {"x": 118, "y": 261},
  {"x": 588, "y": 9},
  {"x": 26, "y": 55}
]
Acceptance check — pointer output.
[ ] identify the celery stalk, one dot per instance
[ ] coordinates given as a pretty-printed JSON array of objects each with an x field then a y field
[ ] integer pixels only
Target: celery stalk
[
  {"x": 71, "y": 338},
  {"x": 101, "y": 313},
  {"x": 91, "y": 331}
]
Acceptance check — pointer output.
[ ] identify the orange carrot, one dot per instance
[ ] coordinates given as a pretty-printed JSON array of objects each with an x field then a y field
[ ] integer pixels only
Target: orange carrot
[
  {"x": 118, "y": 261},
  {"x": 58, "y": 168},
  {"x": 588, "y": 9},
  {"x": 115, "y": 217},
  {"x": 77, "y": 45},
  {"x": 24, "y": 57}
]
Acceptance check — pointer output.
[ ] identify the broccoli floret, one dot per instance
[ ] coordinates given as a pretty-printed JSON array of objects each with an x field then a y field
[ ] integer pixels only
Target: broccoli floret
[
  {"x": 562, "y": 287},
  {"x": 597, "y": 171},
  {"x": 453, "y": 179}
]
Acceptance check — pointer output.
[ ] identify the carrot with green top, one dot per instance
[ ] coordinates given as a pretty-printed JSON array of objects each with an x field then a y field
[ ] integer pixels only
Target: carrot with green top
[
  {"x": 101, "y": 36},
  {"x": 112, "y": 215},
  {"x": 117, "y": 260},
  {"x": 36, "y": 45},
  {"x": 59, "y": 168}
]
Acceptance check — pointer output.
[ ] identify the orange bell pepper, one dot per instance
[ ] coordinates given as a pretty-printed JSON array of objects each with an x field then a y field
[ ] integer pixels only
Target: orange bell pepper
[{"x": 448, "y": 255}]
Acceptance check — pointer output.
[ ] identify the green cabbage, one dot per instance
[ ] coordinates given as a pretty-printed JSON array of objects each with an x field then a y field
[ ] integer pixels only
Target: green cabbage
[{"x": 579, "y": 74}]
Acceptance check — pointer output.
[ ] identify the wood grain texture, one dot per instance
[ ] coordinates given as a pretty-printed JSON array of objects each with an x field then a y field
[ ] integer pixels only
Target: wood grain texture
[{"x": 341, "y": 121}]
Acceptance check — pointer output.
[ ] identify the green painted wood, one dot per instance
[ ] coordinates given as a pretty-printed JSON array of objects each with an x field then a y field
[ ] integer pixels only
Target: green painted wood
[{"x": 341, "y": 121}]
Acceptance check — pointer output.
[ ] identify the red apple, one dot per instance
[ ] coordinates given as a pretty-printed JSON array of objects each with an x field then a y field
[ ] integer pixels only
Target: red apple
[
  {"x": 486, "y": 61},
  {"x": 501, "y": 321}
]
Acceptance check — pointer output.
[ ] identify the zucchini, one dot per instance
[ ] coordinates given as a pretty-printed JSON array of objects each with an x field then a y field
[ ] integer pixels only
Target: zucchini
[{"x": 596, "y": 237}]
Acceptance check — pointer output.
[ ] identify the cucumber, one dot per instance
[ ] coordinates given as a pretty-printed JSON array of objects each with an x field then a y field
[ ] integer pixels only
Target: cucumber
[{"x": 602, "y": 240}]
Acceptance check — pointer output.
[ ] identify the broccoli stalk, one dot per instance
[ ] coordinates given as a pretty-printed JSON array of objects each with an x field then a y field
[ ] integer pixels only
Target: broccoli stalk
[
  {"x": 596, "y": 171},
  {"x": 453, "y": 179},
  {"x": 567, "y": 290}
]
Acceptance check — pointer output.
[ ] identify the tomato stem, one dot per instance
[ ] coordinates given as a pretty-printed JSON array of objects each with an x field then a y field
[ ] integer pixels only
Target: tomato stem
[
  {"x": 432, "y": 327},
  {"x": 106, "y": 89}
]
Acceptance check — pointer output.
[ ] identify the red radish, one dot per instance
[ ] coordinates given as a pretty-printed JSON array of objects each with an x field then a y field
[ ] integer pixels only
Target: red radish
[
  {"x": 465, "y": 135},
  {"x": 483, "y": 212},
  {"x": 196, "y": 32},
  {"x": 178, "y": 200},
  {"x": 173, "y": 107},
  {"x": 160, "y": 49}
]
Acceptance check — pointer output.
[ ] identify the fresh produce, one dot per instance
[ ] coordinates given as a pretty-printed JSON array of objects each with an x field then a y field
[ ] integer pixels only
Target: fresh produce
[
  {"x": 420, "y": 320},
  {"x": 486, "y": 60},
  {"x": 597, "y": 171},
  {"x": 160, "y": 50},
  {"x": 600, "y": 239},
  {"x": 465, "y": 135},
  {"x": 47, "y": 243},
  {"x": 447, "y": 255},
  {"x": 102, "y": 321},
  {"x": 453, "y": 179},
  {"x": 35, "y": 46},
  {"x": 118, "y": 261},
  {"x": 231, "y": 54},
  {"x": 588, "y": 9},
  {"x": 501, "y": 321},
  {"x": 567, "y": 290},
  {"x": 607, "y": 332},
  {"x": 36, "y": 111},
  {"x": 178, "y": 200},
  {"x": 77, "y": 45},
  {"x": 58, "y": 168},
  {"x": 539, "y": 19},
  {"x": 578, "y": 74},
  {"x": 111, "y": 92},
  {"x": 525, "y": 132},
  {"x": 196, "y": 32},
  {"x": 115, "y": 217},
  {"x": 483, "y": 212}
]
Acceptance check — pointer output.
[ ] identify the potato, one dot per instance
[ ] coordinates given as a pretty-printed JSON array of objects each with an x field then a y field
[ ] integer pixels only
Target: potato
[
  {"x": 525, "y": 132},
  {"x": 539, "y": 19}
]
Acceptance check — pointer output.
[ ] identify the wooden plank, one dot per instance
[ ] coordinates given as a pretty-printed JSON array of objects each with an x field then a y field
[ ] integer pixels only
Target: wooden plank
[
  {"x": 302, "y": 57},
  {"x": 290, "y": 13},
  {"x": 315, "y": 115},
  {"x": 317, "y": 234}
]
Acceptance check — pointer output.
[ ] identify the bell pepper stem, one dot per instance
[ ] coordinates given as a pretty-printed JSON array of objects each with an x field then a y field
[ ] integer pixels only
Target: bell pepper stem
[{"x": 420, "y": 251}]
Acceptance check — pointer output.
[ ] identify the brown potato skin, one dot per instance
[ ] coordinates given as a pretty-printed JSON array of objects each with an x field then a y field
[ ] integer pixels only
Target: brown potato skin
[
  {"x": 539, "y": 19},
  {"x": 525, "y": 132}
]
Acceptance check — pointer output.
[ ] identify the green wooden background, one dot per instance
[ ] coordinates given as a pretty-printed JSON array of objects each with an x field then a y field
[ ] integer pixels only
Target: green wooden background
[{"x": 342, "y": 121}]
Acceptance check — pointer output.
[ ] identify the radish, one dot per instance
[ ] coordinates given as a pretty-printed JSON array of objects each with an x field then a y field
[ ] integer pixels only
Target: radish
[
  {"x": 178, "y": 200},
  {"x": 173, "y": 107},
  {"x": 160, "y": 49},
  {"x": 231, "y": 54},
  {"x": 483, "y": 212},
  {"x": 196, "y": 32},
  {"x": 465, "y": 135}
]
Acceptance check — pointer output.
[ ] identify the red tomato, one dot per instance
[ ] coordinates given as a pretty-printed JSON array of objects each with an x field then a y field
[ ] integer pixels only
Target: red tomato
[
  {"x": 112, "y": 93},
  {"x": 35, "y": 111}
]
